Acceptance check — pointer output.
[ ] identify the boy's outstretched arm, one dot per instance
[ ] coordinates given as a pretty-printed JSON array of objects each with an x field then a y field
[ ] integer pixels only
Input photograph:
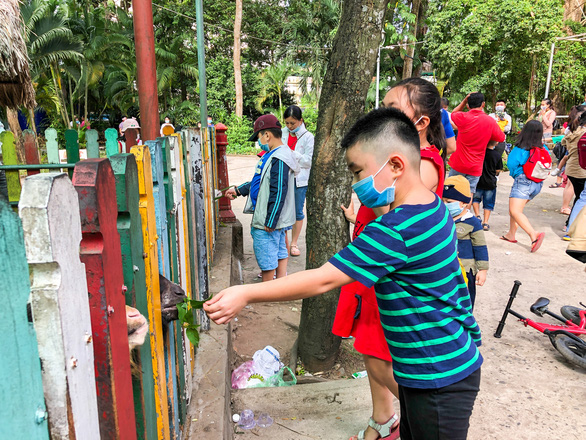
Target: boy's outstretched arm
[{"x": 227, "y": 304}]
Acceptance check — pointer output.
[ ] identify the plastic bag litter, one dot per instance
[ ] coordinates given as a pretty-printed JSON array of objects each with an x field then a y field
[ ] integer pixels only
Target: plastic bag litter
[{"x": 264, "y": 370}]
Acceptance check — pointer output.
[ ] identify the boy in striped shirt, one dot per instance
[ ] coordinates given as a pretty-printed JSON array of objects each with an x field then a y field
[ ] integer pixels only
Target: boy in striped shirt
[{"x": 409, "y": 255}]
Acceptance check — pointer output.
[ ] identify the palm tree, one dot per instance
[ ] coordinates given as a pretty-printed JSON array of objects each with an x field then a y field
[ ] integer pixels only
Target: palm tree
[
  {"x": 272, "y": 84},
  {"x": 49, "y": 43}
]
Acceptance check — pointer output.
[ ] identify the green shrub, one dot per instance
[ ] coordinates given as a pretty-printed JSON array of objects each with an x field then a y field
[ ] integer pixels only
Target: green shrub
[
  {"x": 310, "y": 119},
  {"x": 239, "y": 130}
]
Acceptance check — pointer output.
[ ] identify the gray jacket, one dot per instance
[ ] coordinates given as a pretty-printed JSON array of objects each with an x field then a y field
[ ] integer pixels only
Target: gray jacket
[
  {"x": 303, "y": 153},
  {"x": 259, "y": 213}
]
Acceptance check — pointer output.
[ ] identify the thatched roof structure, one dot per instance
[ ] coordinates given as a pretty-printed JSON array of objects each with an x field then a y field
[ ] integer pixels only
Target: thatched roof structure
[{"x": 16, "y": 88}]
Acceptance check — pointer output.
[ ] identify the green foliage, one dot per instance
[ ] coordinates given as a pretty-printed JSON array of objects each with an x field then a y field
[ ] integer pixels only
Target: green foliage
[
  {"x": 239, "y": 130},
  {"x": 496, "y": 47},
  {"x": 310, "y": 119},
  {"x": 185, "y": 311}
]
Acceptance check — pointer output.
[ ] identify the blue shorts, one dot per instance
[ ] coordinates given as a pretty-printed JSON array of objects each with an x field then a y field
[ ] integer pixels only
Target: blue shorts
[
  {"x": 269, "y": 247},
  {"x": 486, "y": 196},
  {"x": 473, "y": 180},
  {"x": 299, "y": 202},
  {"x": 525, "y": 189}
]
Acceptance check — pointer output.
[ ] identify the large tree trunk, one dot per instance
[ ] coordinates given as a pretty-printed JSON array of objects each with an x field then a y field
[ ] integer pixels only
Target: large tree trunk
[
  {"x": 12, "y": 116},
  {"x": 408, "y": 61},
  {"x": 342, "y": 102},
  {"x": 237, "y": 70},
  {"x": 573, "y": 10}
]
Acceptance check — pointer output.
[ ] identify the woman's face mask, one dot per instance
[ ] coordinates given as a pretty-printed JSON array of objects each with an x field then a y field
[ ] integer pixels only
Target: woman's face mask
[{"x": 369, "y": 196}]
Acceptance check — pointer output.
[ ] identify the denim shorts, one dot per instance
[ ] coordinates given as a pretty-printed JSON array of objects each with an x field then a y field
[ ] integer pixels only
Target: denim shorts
[
  {"x": 473, "y": 180},
  {"x": 269, "y": 247},
  {"x": 525, "y": 189},
  {"x": 299, "y": 202},
  {"x": 486, "y": 196}
]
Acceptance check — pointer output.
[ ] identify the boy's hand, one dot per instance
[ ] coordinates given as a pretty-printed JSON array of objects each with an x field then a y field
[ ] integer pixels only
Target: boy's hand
[
  {"x": 225, "y": 305},
  {"x": 231, "y": 193},
  {"x": 481, "y": 277},
  {"x": 349, "y": 212},
  {"x": 269, "y": 229}
]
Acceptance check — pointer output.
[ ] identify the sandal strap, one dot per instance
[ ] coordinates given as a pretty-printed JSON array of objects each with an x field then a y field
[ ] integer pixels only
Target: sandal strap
[{"x": 383, "y": 430}]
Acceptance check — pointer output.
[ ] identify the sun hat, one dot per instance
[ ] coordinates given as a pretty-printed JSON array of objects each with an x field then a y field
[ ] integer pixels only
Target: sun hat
[{"x": 129, "y": 123}]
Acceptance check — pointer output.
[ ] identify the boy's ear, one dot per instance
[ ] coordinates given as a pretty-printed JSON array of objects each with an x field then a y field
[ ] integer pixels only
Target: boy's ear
[{"x": 397, "y": 163}]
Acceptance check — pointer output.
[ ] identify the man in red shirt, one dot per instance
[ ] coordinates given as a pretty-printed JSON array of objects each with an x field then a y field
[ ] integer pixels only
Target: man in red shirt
[{"x": 476, "y": 130}]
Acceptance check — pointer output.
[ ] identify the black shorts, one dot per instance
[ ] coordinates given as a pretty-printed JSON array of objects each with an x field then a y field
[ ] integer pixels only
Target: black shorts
[{"x": 438, "y": 414}]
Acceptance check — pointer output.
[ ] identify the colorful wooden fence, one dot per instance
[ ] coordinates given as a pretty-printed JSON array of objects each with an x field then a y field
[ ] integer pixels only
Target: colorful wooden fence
[{"x": 90, "y": 254}]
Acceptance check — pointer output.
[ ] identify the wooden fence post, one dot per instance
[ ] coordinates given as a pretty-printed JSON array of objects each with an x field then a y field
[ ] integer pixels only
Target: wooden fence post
[
  {"x": 111, "y": 142},
  {"x": 198, "y": 195},
  {"x": 52, "y": 145},
  {"x": 72, "y": 146},
  {"x": 49, "y": 210},
  {"x": 130, "y": 229},
  {"x": 100, "y": 251},
  {"x": 160, "y": 207},
  {"x": 182, "y": 355},
  {"x": 10, "y": 158},
  {"x": 22, "y": 405},
  {"x": 31, "y": 151},
  {"x": 149, "y": 231},
  {"x": 92, "y": 146}
]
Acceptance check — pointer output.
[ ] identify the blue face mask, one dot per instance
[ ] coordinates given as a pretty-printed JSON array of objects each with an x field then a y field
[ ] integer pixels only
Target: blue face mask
[
  {"x": 454, "y": 208},
  {"x": 369, "y": 196},
  {"x": 295, "y": 130},
  {"x": 264, "y": 147}
]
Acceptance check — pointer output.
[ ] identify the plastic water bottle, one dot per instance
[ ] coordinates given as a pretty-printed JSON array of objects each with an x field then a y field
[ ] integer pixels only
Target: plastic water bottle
[{"x": 267, "y": 361}]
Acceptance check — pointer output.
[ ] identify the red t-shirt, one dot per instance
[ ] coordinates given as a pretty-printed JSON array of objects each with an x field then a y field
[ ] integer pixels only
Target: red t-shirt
[
  {"x": 292, "y": 142},
  {"x": 475, "y": 130},
  {"x": 432, "y": 154}
]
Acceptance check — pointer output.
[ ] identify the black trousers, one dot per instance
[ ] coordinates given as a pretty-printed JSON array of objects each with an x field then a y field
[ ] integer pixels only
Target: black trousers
[
  {"x": 471, "y": 286},
  {"x": 438, "y": 414},
  {"x": 578, "y": 185}
]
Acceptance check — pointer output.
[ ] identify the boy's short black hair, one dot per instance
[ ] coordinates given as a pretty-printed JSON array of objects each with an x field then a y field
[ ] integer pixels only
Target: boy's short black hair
[
  {"x": 383, "y": 131},
  {"x": 276, "y": 132},
  {"x": 475, "y": 100},
  {"x": 501, "y": 100},
  {"x": 445, "y": 102}
]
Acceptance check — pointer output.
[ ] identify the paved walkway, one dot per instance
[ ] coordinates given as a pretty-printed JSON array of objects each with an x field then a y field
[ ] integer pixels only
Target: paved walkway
[{"x": 528, "y": 391}]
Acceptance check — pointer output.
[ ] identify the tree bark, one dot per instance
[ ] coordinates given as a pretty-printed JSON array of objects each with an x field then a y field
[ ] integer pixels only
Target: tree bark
[
  {"x": 342, "y": 102},
  {"x": 12, "y": 116},
  {"x": 237, "y": 70},
  {"x": 573, "y": 10},
  {"x": 408, "y": 61}
]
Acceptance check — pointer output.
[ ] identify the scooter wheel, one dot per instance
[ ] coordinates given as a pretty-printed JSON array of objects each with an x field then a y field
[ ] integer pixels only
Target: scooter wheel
[
  {"x": 572, "y": 350},
  {"x": 572, "y": 313}
]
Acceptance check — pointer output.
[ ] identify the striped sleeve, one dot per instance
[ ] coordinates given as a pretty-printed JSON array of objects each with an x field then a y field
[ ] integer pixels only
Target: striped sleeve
[
  {"x": 279, "y": 184},
  {"x": 378, "y": 251},
  {"x": 479, "y": 248}
]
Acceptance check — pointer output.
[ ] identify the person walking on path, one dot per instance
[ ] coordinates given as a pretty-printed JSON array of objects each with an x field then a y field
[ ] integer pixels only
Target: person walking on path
[
  {"x": 410, "y": 257},
  {"x": 547, "y": 115},
  {"x": 486, "y": 188},
  {"x": 475, "y": 131},
  {"x": 528, "y": 145},
  {"x": 271, "y": 198},
  {"x": 296, "y": 136}
]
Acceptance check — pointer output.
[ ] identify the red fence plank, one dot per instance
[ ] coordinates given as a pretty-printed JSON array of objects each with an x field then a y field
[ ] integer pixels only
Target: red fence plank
[{"x": 100, "y": 252}]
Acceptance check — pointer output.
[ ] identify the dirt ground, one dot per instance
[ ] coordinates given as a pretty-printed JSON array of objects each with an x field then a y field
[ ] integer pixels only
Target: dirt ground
[{"x": 528, "y": 390}]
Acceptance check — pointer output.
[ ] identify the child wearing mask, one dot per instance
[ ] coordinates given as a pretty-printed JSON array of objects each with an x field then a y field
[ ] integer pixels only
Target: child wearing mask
[
  {"x": 472, "y": 249},
  {"x": 271, "y": 198}
]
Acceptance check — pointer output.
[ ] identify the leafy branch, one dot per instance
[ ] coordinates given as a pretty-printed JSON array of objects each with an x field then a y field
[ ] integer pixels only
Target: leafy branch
[{"x": 187, "y": 318}]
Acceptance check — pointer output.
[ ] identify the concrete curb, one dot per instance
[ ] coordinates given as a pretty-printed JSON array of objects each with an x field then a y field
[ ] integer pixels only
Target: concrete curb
[{"x": 209, "y": 414}]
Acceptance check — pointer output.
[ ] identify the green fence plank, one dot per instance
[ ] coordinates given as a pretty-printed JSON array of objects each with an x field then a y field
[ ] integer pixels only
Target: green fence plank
[
  {"x": 92, "y": 146},
  {"x": 52, "y": 145},
  {"x": 111, "y": 142},
  {"x": 10, "y": 158},
  {"x": 22, "y": 404}
]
